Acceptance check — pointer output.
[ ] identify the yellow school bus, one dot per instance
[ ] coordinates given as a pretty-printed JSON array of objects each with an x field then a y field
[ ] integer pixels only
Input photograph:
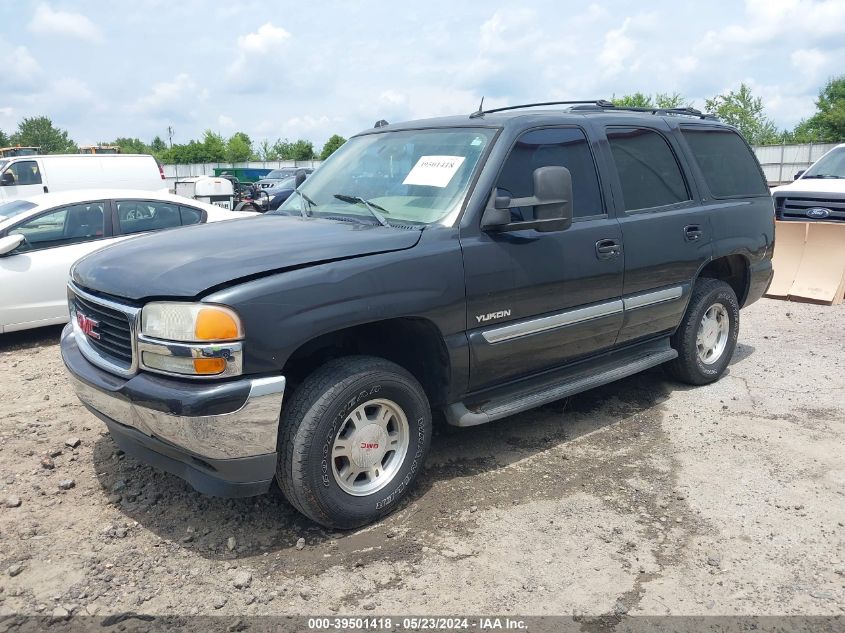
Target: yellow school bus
[
  {"x": 8, "y": 152},
  {"x": 99, "y": 149}
]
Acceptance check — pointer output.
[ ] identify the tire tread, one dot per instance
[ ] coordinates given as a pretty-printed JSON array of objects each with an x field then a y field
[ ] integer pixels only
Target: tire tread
[{"x": 311, "y": 400}]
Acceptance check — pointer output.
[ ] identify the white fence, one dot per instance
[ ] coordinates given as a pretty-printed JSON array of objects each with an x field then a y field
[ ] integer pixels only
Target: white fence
[
  {"x": 780, "y": 162},
  {"x": 172, "y": 173}
]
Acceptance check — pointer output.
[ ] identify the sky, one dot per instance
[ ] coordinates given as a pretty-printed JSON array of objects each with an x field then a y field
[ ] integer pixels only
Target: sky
[{"x": 311, "y": 69}]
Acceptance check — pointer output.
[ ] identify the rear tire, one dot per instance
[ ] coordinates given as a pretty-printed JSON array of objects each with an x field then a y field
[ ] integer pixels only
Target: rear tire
[
  {"x": 706, "y": 338},
  {"x": 352, "y": 440}
]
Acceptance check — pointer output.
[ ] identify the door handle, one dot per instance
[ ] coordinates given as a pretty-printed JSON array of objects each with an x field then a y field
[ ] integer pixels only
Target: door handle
[
  {"x": 693, "y": 233},
  {"x": 607, "y": 249}
]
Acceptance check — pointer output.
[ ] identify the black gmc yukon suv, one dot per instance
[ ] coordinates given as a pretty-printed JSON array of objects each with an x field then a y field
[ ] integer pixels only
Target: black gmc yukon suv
[{"x": 473, "y": 265}]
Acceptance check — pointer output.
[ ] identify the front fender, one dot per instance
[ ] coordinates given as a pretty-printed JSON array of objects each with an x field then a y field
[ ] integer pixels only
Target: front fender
[{"x": 281, "y": 312}]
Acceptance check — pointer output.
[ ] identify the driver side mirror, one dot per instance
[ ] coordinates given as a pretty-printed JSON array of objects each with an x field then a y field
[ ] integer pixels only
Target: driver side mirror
[
  {"x": 10, "y": 243},
  {"x": 799, "y": 173},
  {"x": 7, "y": 179},
  {"x": 552, "y": 202},
  {"x": 299, "y": 178}
]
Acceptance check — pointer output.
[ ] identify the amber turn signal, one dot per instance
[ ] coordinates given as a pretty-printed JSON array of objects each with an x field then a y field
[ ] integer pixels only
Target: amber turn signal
[
  {"x": 208, "y": 366},
  {"x": 216, "y": 324}
]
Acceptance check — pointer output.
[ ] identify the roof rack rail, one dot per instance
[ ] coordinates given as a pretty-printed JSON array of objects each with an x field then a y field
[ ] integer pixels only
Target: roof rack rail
[
  {"x": 603, "y": 104},
  {"x": 686, "y": 111}
]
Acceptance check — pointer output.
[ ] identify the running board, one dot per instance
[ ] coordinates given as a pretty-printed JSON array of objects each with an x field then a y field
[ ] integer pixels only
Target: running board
[{"x": 615, "y": 366}]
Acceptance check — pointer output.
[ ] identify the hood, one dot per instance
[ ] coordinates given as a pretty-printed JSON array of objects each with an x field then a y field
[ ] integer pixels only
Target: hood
[
  {"x": 185, "y": 262},
  {"x": 812, "y": 187}
]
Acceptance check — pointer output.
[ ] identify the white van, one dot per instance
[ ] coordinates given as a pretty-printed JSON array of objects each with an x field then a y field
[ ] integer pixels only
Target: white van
[{"x": 27, "y": 176}]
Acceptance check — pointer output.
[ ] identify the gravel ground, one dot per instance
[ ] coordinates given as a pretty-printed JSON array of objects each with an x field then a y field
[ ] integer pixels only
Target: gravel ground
[{"x": 643, "y": 497}]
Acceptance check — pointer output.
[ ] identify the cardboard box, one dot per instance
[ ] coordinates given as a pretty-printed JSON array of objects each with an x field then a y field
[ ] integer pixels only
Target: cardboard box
[{"x": 809, "y": 262}]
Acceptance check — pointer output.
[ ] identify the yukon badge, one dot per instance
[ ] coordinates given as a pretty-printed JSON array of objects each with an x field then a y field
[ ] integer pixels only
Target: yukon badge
[{"x": 482, "y": 318}]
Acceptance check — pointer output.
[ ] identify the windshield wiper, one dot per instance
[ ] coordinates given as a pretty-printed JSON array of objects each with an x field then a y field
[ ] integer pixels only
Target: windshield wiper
[
  {"x": 823, "y": 176},
  {"x": 306, "y": 199},
  {"x": 371, "y": 207}
]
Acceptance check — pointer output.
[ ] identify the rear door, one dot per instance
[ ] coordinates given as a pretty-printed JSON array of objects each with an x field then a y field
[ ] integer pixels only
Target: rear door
[
  {"x": 539, "y": 300},
  {"x": 666, "y": 229},
  {"x": 33, "y": 277}
]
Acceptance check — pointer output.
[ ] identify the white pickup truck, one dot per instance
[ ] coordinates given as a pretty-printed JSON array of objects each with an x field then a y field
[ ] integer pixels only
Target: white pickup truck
[{"x": 816, "y": 194}]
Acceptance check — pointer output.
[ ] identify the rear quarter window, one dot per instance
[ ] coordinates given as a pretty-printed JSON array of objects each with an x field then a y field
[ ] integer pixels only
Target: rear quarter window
[
  {"x": 726, "y": 162},
  {"x": 190, "y": 215}
]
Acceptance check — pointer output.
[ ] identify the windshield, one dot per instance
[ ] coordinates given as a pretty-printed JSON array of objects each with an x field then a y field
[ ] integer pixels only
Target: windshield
[
  {"x": 15, "y": 207},
  {"x": 412, "y": 176},
  {"x": 831, "y": 165},
  {"x": 3, "y": 164},
  {"x": 287, "y": 183},
  {"x": 278, "y": 173}
]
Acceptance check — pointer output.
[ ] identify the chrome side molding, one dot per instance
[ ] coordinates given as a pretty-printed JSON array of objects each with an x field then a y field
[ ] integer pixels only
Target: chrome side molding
[
  {"x": 579, "y": 315},
  {"x": 651, "y": 298},
  {"x": 562, "y": 319}
]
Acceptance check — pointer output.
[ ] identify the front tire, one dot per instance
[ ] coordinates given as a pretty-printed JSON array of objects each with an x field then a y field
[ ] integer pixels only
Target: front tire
[
  {"x": 352, "y": 441},
  {"x": 707, "y": 335}
]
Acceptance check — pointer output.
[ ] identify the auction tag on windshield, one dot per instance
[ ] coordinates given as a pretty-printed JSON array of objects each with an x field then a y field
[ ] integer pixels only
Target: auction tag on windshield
[{"x": 434, "y": 171}]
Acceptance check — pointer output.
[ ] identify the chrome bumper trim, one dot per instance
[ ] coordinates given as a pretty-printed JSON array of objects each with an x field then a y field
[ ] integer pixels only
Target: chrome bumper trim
[{"x": 249, "y": 431}]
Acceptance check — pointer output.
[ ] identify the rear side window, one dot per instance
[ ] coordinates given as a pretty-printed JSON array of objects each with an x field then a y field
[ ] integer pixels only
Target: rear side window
[
  {"x": 728, "y": 166},
  {"x": 564, "y": 147},
  {"x": 647, "y": 167},
  {"x": 137, "y": 216}
]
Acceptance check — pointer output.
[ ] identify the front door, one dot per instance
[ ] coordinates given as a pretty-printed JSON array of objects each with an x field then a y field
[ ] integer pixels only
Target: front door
[
  {"x": 22, "y": 179},
  {"x": 538, "y": 300},
  {"x": 33, "y": 277}
]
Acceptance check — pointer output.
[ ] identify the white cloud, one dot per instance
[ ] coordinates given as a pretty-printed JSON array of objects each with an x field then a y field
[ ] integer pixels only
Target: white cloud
[
  {"x": 264, "y": 40},
  {"x": 173, "y": 99},
  {"x": 226, "y": 122},
  {"x": 391, "y": 97},
  {"x": 20, "y": 70},
  {"x": 617, "y": 50},
  {"x": 809, "y": 60},
  {"x": 256, "y": 52},
  {"x": 780, "y": 21},
  {"x": 47, "y": 21}
]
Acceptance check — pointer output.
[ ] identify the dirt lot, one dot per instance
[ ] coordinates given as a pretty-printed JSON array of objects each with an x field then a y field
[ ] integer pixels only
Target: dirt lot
[{"x": 640, "y": 497}]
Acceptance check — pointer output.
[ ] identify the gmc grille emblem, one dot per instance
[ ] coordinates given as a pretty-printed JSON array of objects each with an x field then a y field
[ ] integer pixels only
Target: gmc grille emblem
[{"x": 87, "y": 325}]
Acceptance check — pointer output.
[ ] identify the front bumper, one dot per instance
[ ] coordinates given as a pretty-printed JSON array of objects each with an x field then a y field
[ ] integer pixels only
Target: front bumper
[{"x": 219, "y": 436}]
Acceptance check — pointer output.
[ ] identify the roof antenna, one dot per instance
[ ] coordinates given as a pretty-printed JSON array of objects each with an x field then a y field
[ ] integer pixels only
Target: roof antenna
[
  {"x": 479, "y": 112},
  {"x": 381, "y": 123}
]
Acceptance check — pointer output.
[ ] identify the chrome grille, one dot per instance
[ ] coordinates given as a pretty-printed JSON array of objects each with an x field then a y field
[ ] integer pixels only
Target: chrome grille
[
  {"x": 105, "y": 330},
  {"x": 111, "y": 333}
]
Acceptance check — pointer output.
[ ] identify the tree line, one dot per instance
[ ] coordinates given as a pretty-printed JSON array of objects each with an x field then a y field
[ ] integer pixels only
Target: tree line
[
  {"x": 739, "y": 108},
  {"x": 40, "y": 132},
  {"x": 746, "y": 112}
]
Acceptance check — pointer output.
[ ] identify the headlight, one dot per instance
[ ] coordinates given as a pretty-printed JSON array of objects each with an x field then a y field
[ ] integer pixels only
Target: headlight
[
  {"x": 190, "y": 322},
  {"x": 190, "y": 339}
]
